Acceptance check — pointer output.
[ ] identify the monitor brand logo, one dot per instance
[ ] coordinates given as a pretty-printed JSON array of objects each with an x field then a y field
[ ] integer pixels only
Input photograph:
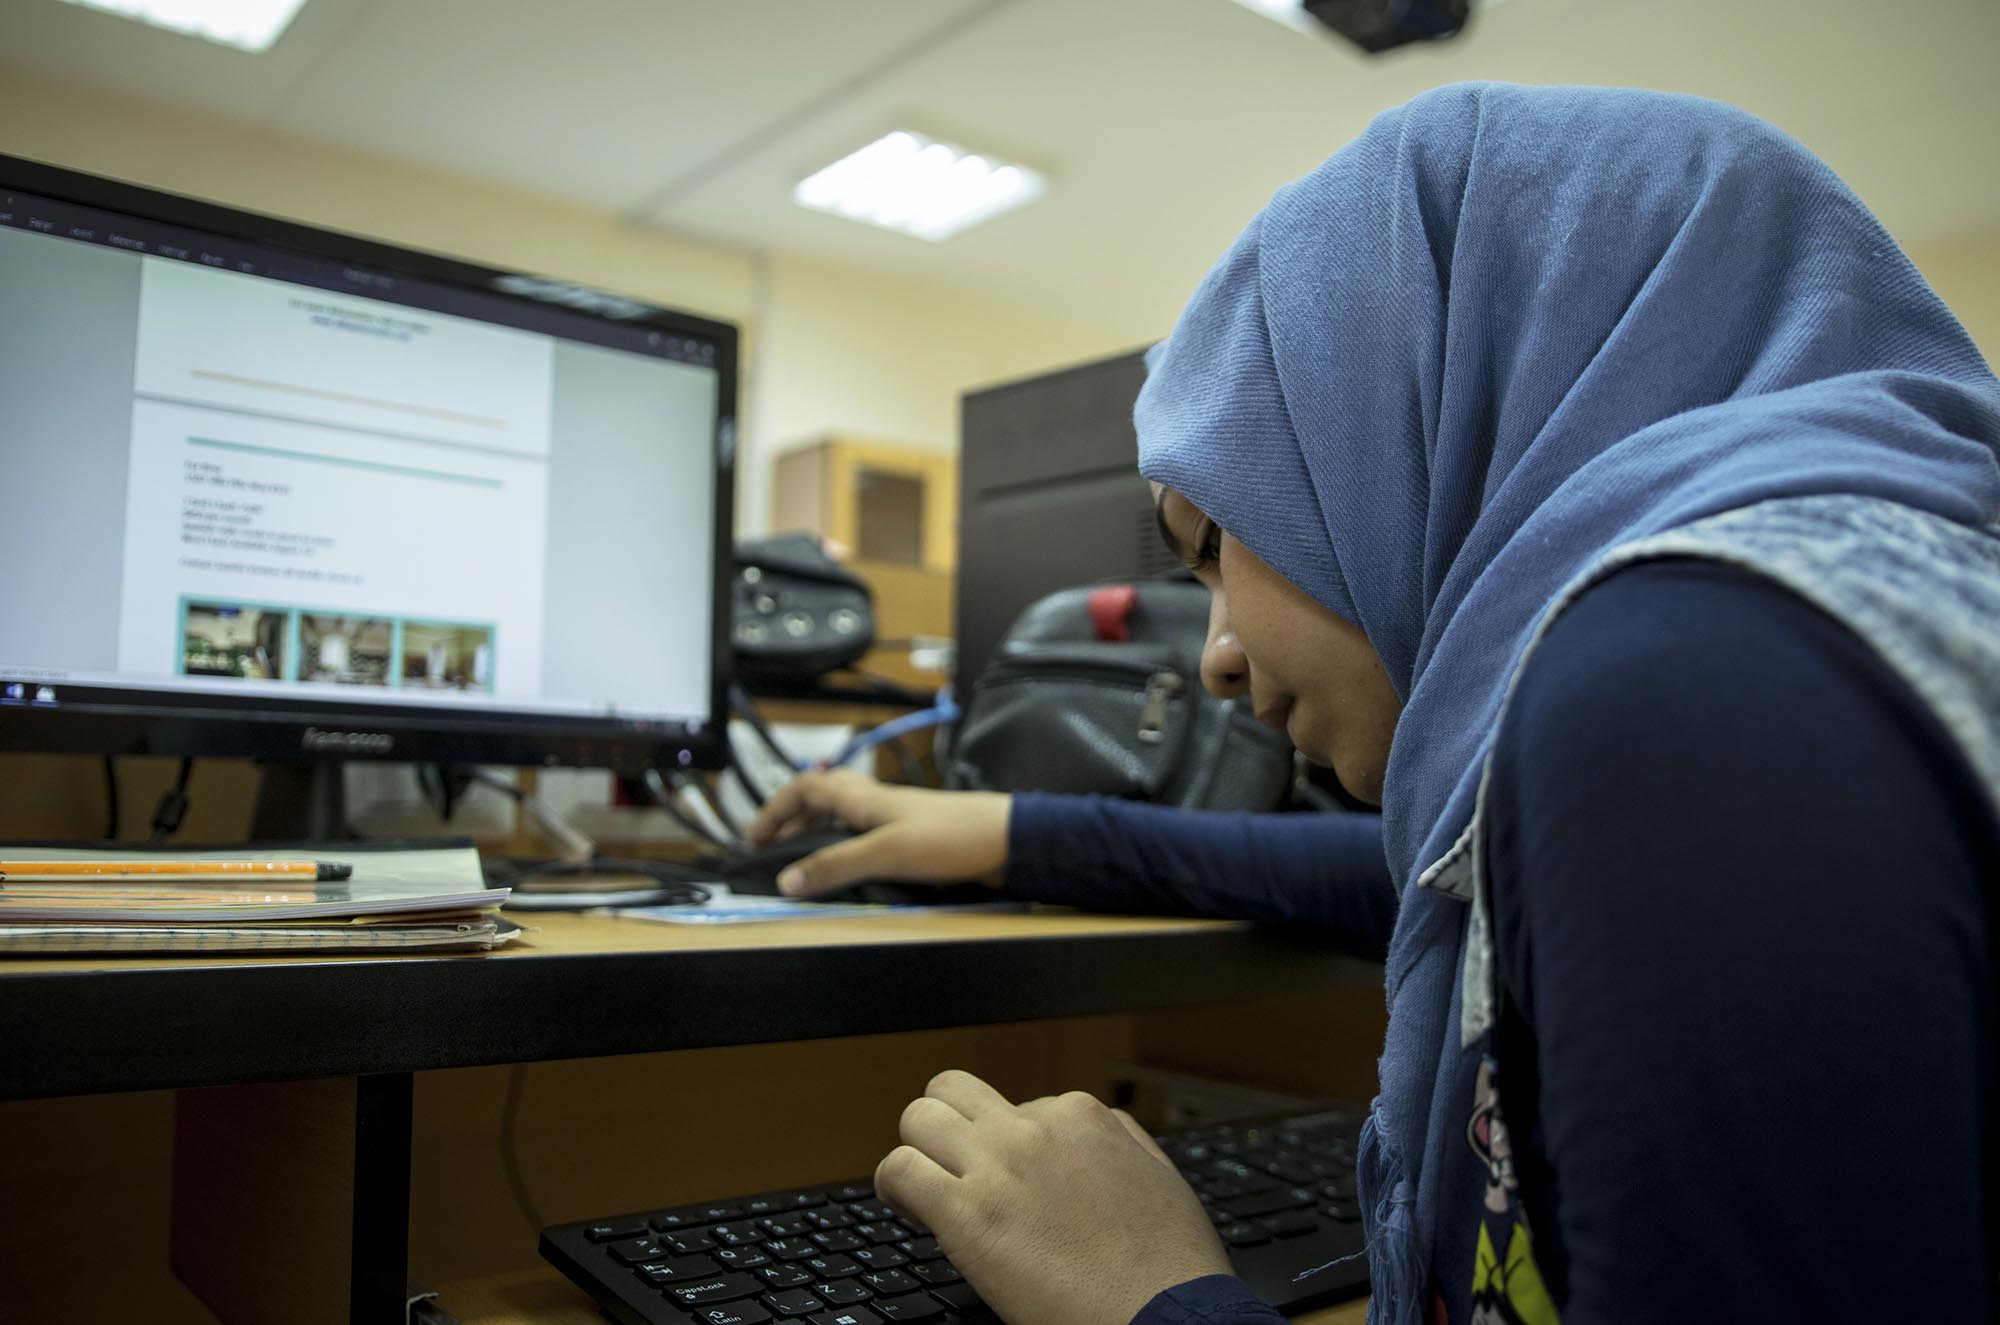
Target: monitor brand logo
[
  {"x": 573, "y": 296},
  {"x": 355, "y": 743}
]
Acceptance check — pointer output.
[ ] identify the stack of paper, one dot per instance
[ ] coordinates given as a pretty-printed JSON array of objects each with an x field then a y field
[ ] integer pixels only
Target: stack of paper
[{"x": 432, "y": 898}]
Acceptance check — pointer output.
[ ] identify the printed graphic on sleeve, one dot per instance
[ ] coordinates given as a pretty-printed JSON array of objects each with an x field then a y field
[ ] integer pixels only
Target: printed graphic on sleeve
[{"x": 1507, "y": 1286}]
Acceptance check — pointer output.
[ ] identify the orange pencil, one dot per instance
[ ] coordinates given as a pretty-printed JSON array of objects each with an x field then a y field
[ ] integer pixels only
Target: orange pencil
[{"x": 245, "y": 870}]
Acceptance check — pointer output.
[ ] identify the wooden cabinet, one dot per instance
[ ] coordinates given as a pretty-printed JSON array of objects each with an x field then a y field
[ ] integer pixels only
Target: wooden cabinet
[
  {"x": 887, "y": 504},
  {"x": 893, "y": 513}
]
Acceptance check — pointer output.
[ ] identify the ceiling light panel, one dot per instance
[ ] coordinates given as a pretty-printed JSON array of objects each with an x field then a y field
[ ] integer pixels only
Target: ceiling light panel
[
  {"x": 907, "y": 182},
  {"x": 249, "y": 25}
]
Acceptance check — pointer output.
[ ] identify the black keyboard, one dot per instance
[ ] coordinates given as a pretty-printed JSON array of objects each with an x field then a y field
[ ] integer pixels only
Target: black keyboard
[{"x": 1281, "y": 1193}]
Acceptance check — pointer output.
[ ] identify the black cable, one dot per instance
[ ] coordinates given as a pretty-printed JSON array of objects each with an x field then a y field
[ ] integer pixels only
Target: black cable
[
  {"x": 510, "y": 1114},
  {"x": 876, "y": 685},
  {"x": 110, "y": 799},
  {"x": 651, "y": 790},
  {"x": 906, "y": 762},
  {"x": 173, "y": 806},
  {"x": 714, "y": 804},
  {"x": 756, "y": 793},
  {"x": 745, "y": 708}
]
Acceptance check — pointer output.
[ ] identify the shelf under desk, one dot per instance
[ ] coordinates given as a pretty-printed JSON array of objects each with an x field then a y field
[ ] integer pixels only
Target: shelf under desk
[
  {"x": 341, "y": 1036},
  {"x": 588, "y": 986},
  {"x": 538, "y": 1298}
]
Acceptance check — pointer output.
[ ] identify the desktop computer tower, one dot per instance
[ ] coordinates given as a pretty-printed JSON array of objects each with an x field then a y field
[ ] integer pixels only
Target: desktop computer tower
[{"x": 1049, "y": 497}]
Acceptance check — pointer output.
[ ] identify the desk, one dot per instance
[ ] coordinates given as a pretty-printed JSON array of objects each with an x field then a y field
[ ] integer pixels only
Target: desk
[{"x": 582, "y": 986}]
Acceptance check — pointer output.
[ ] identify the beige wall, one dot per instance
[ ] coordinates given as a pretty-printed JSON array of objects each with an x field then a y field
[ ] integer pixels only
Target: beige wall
[
  {"x": 1966, "y": 271},
  {"x": 827, "y": 350}
]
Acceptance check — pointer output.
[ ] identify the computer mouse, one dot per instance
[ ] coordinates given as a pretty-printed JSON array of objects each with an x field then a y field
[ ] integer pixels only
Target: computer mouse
[{"x": 755, "y": 870}]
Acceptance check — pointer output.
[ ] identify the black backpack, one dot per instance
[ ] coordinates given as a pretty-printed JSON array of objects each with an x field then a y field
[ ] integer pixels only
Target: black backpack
[{"x": 1098, "y": 690}]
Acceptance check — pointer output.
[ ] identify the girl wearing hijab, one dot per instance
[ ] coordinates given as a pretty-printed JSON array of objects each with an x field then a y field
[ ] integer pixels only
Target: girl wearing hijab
[{"x": 1586, "y": 476}]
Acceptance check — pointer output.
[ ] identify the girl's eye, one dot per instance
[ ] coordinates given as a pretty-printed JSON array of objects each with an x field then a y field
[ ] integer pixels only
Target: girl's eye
[{"x": 1207, "y": 550}]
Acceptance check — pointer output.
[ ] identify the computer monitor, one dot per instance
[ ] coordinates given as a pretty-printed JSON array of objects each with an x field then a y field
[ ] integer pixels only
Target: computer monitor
[
  {"x": 1049, "y": 497},
  {"x": 283, "y": 493}
]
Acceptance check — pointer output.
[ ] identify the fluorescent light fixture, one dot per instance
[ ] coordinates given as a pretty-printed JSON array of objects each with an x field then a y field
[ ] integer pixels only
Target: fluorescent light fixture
[
  {"x": 904, "y": 181},
  {"x": 250, "y": 25},
  {"x": 1291, "y": 13}
]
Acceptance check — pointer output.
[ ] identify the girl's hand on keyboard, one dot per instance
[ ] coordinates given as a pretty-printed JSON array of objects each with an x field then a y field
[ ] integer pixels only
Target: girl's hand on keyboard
[
  {"x": 1058, "y": 1211},
  {"x": 905, "y": 832}
]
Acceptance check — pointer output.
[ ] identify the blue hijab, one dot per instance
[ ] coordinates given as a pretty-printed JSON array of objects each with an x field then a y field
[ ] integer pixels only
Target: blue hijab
[{"x": 1503, "y": 331}]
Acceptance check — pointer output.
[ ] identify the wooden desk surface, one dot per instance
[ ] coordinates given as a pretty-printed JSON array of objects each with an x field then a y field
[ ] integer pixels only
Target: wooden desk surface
[
  {"x": 565, "y": 933},
  {"x": 587, "y": 986},
  {"x": 544, "y": 1297}
]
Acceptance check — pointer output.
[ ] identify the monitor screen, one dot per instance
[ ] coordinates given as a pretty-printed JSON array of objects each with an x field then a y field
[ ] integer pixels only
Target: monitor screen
[{"x": 281, "y": 491}]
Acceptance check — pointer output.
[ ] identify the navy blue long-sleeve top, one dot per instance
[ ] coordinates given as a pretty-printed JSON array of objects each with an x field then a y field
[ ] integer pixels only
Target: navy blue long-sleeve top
[
  {"x": 1321, "y": 871},
  {"x": 1739, "y": 883}
]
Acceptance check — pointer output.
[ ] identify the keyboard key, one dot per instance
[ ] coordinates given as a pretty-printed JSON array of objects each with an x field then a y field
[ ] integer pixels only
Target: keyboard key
[
  {"x": 804, "y": 1200},
  {"x": 713, "y": 1214},
  {"x": 843, "y": 1240},
  {"x": 785, "y": 1226},
  {"x": 616, "y": 1230},
  {"x": 688, "y": 1242},
  {"x": 1269, "y": 1203},
  {"x": 854, "y": 1191},
  {"x": 842, "y": 1292},
  {"x": 937, "y": 1272},
  {"x": 889, "y": 1283},
  {"x": 881, "y": 1258},
  {"x": 764, "y": 1205},
  {"x": 834, "y": 1265},
  {"x": 871, "y": 1210},
  {"x": 790, "y": 1249},
  {"x": 887, "y": 1230},
  {"x": 917, "y": 1306},
  {"x": 735, "y": 1313},
  {"x": 793, "y": 1302},
  {"x": 959, "y": 1297},
  {"x": 737, "y": 1235},
  {"x": 1243, "y": 1235},
  {"x": 830, "y": 1219},
  {"x": 739, "y": 1258},
  {"x": 716, "y": 1288},
  {"x": 784, "y": 1276},
  {"x": 921, "y": 1249},
  {"x": 638, "y": 1251},
  {"x": 661, "y": 1273},
  {"x": 1347, "y": 1212},
  {"x": 1289, "y": 1223},
  {"x": 672, "y": 1221},
  {"x": 848, "y": 1316}
]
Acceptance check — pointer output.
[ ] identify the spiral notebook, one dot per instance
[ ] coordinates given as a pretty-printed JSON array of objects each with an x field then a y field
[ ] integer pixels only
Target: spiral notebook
[{"x": 396, "y": 896}]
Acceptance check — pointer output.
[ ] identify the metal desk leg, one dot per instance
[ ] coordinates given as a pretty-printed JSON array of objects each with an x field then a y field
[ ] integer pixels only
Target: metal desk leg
[{"x": 379, "y": 1280}]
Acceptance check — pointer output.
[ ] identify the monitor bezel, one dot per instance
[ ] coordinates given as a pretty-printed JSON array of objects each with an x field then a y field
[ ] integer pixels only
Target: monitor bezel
[{"x": 175, "y": 722}]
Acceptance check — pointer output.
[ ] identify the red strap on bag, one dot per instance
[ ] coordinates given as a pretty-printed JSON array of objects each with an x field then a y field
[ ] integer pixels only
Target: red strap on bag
[{"x": 1111, "y": 612}]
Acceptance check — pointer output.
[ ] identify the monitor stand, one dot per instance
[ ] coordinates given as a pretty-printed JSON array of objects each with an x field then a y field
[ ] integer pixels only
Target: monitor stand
[{"x": 303, "y": 801}]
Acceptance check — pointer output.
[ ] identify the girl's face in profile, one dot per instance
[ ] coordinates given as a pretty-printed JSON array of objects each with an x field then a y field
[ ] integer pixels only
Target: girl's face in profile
[{"x": 1307, "y": 672}]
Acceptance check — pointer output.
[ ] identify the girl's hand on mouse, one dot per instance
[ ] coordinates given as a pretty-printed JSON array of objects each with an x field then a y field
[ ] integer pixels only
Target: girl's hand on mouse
[
  {"x": 905, "y": 832},
  {"x": 1058, "y": 1211}
]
